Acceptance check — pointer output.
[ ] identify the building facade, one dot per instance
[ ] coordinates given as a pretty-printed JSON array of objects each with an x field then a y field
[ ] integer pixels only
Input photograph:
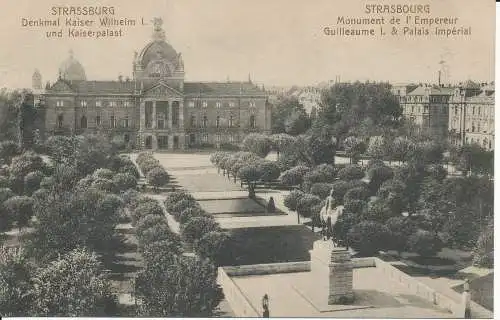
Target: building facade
[
  {"x": 156, "y": 109},
  {"x": 463, "y": 114}
]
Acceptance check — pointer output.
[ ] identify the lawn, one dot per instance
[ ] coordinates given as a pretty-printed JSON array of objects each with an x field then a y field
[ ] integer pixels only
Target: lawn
[
  {"x": 236, "y": 207},
  {"x": 271, "y": 244}
]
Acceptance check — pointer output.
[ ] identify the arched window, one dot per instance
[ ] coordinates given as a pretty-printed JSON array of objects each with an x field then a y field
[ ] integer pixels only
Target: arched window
[
  {"x": 126, "y": 138},
  {"x": 205, "y": 121},
  {"x": 217, "y": 122},
  {"x": 473, "y": 127},
  {"x": 230, "y": 121},
  {"x": 193, "y": 121},
  {"x": 83, "y": 122},
  {"x": 60, "y": 119},
  {"x": 252, "y": 121}
]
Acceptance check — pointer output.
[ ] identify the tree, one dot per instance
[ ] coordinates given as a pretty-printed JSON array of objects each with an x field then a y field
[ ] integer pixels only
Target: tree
[
  {"x": 174, "y": 197},
  {"x": 149, "y": 207},
  {"x": 377, "y": 176},
  {"x": 354, "y": 147},
  {"x": 400, "y": 228},
  {"x": 74, "y": 285},
  {"x": 21, "y": 208},
  {"x": 215, "y": 246},
  {"x": 377, "y": 147},
  {"x": 187, "y": 287},
  {"x": 378, "y": 210},
  {"x": 483, "y": 252},
  {"x": 351, "y": 172},
  {"x": 157, "y": 177},
  {"x": 257, "y": 143},
  {"x": 368, "y": 237},
  {"x": 355, "y": 206},
  {"x": 358, "y": 193},
  {"x": 6, "y": 220},
  {"x": 32, "y": 181},
  {"x": 401, "y": 148},
  {"x": 294, "y": 176},
  {"x": 196, "y": 227},
  {"x": 281, "y": 142},
  {"x": 149, "y": 221},
  {"x": 21, "y": 166},
  {"x": 269, "y": 171},
  {"x": 298, "y": 122},
  {"x": 425, "y": 243},
  {"x": 103, "y": 173},
  {"x": 251, "y": 174},
  {"x": 8, "y": 150},
  {"x": 161, "y": 252},
  {"x": 160, "y": 232},
  {"x": 124, "y": 181},
  {"x": 282, "y": 113},
  {"x": 322, "y": 190},
  {"x": 189, "y": 213},
  {"x": 305, "y": 205},
  {"x": 291, "y": 201},
  {"x": 182, "y": 205},
  {"x": 15, "y": 274}
]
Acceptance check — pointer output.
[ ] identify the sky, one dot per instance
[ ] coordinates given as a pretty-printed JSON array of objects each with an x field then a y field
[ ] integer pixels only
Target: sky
[{"x": 277, "y": 42}]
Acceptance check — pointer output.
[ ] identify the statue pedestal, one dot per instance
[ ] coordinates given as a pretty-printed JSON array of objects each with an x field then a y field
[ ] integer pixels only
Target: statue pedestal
[{"x": 333, "y": 263}]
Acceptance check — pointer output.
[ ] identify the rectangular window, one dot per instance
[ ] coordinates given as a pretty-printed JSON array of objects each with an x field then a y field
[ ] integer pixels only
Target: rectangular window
[
  {"x": 98, "y": 120},
  {"x": 231, "y": 104},
  {"x": 218, "y": 104},
  {"x": 98, "y": 103},
  {"x": 60, "y": 103},
  {"x": 127, "y": 104},
  {"x": 252, "y": 103},
  {"x": 205, "y": 138},
  {"x": 112, "y": 103},
  {"x": 126, "y": 122},
  {"x": 112, "y": 121},
  {"x": 83, "y": 103},
  {"x": 191, "y": 104},
  {"x": 204, "y": 104}
]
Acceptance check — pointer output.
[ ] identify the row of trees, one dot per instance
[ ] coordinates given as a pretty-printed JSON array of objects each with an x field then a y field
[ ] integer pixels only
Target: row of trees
[
  {"x": 156, "y": 175},
  {"x": 170, "y": 284},
  {"x": 199, "y": 230}
]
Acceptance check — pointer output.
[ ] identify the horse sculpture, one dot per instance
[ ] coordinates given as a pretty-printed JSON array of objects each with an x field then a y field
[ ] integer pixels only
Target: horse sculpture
[{"x": 329, "y": 216}]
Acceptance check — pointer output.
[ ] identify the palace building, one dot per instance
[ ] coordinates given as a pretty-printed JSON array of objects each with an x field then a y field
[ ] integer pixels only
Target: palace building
[{"x": 156, "y": 109}]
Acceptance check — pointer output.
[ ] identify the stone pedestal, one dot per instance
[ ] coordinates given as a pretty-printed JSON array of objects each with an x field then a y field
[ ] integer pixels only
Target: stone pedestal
[{"x": 334, "y": 265}]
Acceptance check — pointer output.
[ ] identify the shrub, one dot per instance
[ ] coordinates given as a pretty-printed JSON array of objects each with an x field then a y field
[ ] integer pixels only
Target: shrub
[
  {"x": 157, "y": 177},
  {"x": 368, "y": 237},
  {"x": 124, "y": 181},
  {"x": 147, "y": 208},
  {"x": 130, "y": 169},
  {"x": 294, "y": 176},
  {"x": 103, "y": 185},
  {"x": 130, "y": 198},
  {"x": 269, "y": 170},
  {"x": 400, "y": 228},
  {"x": 103, "y": 174},
  {"x": 214, "y": 246},
  {"x": 483, "y": 252},
  {"x": 47, "y": 183},
  {"x": 182, "y": 205},
  {"x": 378, "y": 175},
  {"x": 355, "y": 206},
  {"x": 321, "y": 189},
  {"x": 20, "y": 208},
  {"x": 339, "y": 189},
  {"x": 149, "y": 221},
  {"x": 4, "y": 182},
  {"x": 175, "y": 197},
  {"x": 159, "y": 232},
  {"x": 292, "y": 199},
  {"x": 321, "y": 173},
  {"x": 149, "y": 165},
  {"x": 161, "y": 252},
  {"x": 196, "y": 227},
  {"x": 189, "y": 213},
  {"x": 32, "y": 181},
  {"x": 358, "y": 193},
  {"x": 306, "y": 203},
  {"x": 344, "y": 223},
  {"x": 351, "y": 172},
  {"x": 425, "y": 243}
]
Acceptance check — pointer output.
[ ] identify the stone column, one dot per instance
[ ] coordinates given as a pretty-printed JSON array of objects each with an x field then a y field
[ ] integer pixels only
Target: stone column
[
  {"x": 153, "y": 116},
  {"x": 181, "y": 115},
  {"x": 170, "y": 115},
  {"x": 154, "y": 142},
  {"x": 334, "y": 265},
  {"x": 142, "y": 115}
]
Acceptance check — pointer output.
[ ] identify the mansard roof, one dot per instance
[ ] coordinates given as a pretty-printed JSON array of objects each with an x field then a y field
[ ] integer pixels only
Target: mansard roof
[
  {"x": 128, "y": 87},
  {"x": 431, "y": 90},
  {"x": 222, "y": 89}
]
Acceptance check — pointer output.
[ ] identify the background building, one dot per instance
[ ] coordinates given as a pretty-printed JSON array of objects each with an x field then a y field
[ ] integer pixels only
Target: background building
[{"x": 156, "y": 109}]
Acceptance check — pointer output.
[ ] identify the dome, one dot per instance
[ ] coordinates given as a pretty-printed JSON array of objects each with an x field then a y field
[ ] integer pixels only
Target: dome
[
  {"x": 157, "y": 50},
  {"x": 71, "y": 69}
]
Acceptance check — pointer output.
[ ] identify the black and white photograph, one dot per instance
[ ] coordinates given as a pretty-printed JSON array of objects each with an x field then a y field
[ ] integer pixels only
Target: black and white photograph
[{"x": 247, "y": 158}]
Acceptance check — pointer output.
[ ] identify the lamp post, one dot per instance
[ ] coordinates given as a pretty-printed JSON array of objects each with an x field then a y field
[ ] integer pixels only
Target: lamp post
[{"x": 265, "y": 306}]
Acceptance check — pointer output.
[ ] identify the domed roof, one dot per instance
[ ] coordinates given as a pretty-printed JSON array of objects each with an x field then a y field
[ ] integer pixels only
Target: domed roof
[
  {"x": 72, "y": 69},
  {"x": 157, "y": 50}
]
